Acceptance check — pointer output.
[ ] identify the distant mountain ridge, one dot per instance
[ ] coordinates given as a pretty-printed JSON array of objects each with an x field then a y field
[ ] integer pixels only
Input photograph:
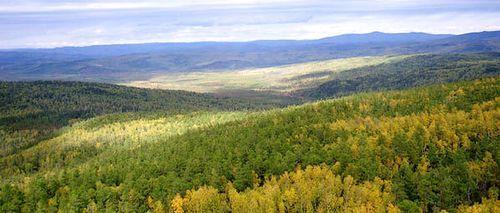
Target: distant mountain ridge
[
  {"x": 125, "y": 49},
  {"x": 119, "y": 63},
  {"x": 384, "y": 37}
]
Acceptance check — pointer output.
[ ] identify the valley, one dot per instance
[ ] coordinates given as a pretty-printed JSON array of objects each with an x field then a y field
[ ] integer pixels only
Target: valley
[
  {"x": 280, "y": 79},
  {"x": 377, "y": 122},
  {"x": 301, "y": 79}
]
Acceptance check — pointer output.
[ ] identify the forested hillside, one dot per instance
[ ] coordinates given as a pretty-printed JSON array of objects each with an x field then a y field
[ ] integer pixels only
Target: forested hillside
[
  {"x": 408, "y": 72},
  {"x": 432, "y": 148},
  {"x": 32, "y": 111}
]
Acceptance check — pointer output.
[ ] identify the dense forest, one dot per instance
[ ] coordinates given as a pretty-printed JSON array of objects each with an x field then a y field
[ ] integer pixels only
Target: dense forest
[
  {"x": 431, "y": 148},
  {"x": 412, "y": 71},
  {"x": 33, "y": 111}
]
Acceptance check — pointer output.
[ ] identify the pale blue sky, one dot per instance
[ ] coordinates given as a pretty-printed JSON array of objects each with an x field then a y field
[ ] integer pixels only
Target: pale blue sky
[{"x": 53, "y": 23}]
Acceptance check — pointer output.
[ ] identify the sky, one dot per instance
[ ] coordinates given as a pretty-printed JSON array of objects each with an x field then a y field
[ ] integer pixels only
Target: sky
[{"x": 56, "y": 23}]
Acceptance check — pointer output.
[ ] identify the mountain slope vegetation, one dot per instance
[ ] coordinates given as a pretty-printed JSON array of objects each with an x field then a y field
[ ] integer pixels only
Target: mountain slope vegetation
[
  {"x": 412, "y": 71},
  {"x": 432, "y": 148},
  {"x": 33, "y": 111}
]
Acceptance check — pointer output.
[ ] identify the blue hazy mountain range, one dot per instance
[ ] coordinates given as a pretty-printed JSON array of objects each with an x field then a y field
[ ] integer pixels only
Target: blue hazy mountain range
[{"x": 120, "y": 62}]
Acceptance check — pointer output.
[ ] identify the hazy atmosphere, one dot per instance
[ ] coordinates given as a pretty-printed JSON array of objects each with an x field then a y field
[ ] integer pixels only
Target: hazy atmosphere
[{"x": 54, "y": 23}]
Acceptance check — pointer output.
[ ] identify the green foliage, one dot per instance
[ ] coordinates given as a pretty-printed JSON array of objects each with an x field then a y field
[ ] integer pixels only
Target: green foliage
[
  {"x": 31, "y": 111},
  {"x": 11, "y": 199},
  {"x": 413, "y": 71},
  {"x": 42, "y": 103},
  {"x": 314, "y": 189},
  {"x": 105, "y": 135},
  {"x": 433, "y": 148}
]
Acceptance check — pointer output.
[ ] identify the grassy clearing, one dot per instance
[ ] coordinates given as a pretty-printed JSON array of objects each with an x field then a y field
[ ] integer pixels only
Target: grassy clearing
[{"x": 279, "y": 79}]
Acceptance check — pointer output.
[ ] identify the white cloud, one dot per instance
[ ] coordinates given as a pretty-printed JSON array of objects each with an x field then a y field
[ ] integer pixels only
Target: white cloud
[
  {"x": 51, "y": 6},
  {"x": 79, "y": 5},
  {"x": 241, "y": 20}
]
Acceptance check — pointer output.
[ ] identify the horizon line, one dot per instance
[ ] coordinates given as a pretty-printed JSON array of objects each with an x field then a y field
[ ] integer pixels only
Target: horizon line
[{"x": 235, "y": 41}]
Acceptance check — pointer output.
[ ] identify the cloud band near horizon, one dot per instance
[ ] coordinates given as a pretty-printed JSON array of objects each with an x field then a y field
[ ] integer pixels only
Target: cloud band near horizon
[{"x": 44, "y": 23}]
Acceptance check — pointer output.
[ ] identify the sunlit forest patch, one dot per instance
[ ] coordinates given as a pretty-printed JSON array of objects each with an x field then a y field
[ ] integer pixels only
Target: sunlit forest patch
[{"x": 431, "y": 148}]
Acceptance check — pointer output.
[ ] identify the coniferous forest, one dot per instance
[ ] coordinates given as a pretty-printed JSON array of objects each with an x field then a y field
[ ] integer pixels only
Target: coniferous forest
[{"x": 424, "y": 149}]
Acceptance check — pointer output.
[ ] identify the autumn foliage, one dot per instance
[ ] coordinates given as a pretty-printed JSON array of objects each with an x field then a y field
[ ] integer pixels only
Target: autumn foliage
[{"x": 428, "y": 149}]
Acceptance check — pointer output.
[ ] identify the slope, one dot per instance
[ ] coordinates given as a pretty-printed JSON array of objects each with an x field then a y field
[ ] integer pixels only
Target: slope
[
  {"x": 411, "y": 71},
  {"x": 465, "y": 43},
  {"x": 32, "y": 111},
  {"x": 425, "y": 143}
]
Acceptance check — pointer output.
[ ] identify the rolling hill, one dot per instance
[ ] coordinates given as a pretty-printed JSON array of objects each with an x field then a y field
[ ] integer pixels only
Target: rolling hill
[
  {"x": 413, "y": 71},
  {"x": 34, "y": 111},
  {"x": 189, "y": 47},
  {"x": 336, "y": 77},
  {"x": 279, "y": 79},
  {"x": 121, "y": 63},
  {"x": 466, "y": 43},
  {"x": 431, "y": 148},
  {"x": 252, "y": 126}
]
